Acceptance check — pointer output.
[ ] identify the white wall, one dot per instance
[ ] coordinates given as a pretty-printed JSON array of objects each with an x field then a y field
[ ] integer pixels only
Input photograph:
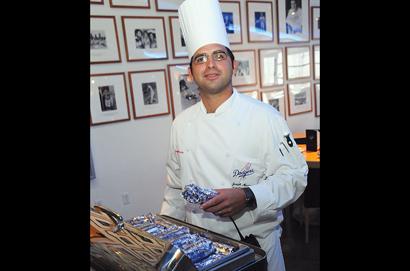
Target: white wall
[{"x": 130, "y": 156}]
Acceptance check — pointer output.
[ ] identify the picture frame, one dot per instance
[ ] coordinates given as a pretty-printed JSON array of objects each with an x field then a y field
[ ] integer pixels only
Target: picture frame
[
  {"x": 130, "y": 4},
  {"x": 275, "y": 98},
  {"x": 92, "y": 169},
  {"x": 254, "y": 93},
  {"x": 245, "y": 74},
  {"x": 108, "y": 98},
  {"x": 168, "y": 5},
  {"x": 315, "y": 23},
  {"x": 297, "y": 62},
  {"x": 104, "y": 45},
  {"x": 260, "y": 21},
  {"x": 317, "y": 99},
  {"x": 179, "y": 49},
  {"x": 299, "y": 98},
  {"x": 149, "y": 93},
  {"x": 316, "y": 62},
  {"x": 271, "y": 67},
  {"x": 293, "y": 21},
  {"x": 231, "y": 13},
  {"x": 97, "y": 2},
  {"x": 184, "y": 93},
  {"x": 145, "y": 38}
]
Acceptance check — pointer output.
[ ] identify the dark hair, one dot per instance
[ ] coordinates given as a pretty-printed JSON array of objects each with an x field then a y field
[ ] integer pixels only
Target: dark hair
[{"x": 230, "y": 54}]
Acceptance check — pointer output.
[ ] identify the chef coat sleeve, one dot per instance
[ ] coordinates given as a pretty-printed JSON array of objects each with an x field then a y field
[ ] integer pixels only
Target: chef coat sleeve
[
  {"x": 286, "y": 172},
  {"x": 173, "y": 204}
]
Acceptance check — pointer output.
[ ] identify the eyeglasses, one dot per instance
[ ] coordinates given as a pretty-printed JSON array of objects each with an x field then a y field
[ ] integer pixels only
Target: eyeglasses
[{"x": 216, "y": 55}]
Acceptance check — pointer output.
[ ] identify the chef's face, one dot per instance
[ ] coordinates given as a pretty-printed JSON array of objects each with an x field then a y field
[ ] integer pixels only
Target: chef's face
[{"x": 212, "y": 69}]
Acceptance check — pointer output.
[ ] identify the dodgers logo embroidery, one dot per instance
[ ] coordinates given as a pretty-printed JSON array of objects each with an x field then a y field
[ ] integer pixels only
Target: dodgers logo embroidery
[{"x": 245, "y": 171}]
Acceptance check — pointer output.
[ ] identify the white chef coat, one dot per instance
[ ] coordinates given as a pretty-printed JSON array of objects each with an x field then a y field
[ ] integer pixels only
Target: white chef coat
[{"x": 242, "y": 144}]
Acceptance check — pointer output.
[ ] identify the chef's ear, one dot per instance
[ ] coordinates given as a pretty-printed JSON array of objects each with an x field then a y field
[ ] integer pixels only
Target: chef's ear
[
  {"x": 190, "y": 77},
  {"x": 235, "y": 66}
]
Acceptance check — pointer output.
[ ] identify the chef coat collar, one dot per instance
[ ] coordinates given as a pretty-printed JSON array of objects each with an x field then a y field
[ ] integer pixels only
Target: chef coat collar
[{"x": 224, "y": 107}]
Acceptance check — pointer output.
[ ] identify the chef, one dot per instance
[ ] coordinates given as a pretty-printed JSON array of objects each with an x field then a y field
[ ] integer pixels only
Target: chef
[{"x": 229, "y": 142}]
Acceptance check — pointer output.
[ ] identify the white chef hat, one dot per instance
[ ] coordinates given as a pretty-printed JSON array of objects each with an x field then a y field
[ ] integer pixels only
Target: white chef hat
[{"x": 201, "y": 24}]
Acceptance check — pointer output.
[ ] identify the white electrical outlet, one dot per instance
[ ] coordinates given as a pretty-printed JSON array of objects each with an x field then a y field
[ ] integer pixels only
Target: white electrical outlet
[{"x": 125, "y": 199}]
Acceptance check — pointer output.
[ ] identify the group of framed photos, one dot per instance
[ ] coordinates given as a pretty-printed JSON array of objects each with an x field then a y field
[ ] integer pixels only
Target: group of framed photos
[
  {"x": 145, "y": 39},
  {"x": 145, "y": 36},
  {"x": 109, "y": 98}
]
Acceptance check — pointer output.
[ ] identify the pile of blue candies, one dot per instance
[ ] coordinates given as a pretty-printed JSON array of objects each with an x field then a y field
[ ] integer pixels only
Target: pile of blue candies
[
  {"x": 197, "y": 195},
  {"x": 199, "y": 249}
]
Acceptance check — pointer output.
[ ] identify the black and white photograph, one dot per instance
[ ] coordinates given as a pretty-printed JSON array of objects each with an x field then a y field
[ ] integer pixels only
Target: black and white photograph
[
  {"x": 271, "y": 67},
  {"x": 274, "y": 103},
  {"x": 315, "y": 23},
  {"x": 107, "y": 98},
  {"x": 294, "y": 16},
  {"x": 260, "y": 21},
  {"x": 179, "y": 49},
  {"x": 182, "y": 39},
  {"x": 130, "y": 4},
  {"x": 98, "y": 40},
  {"x": 168, "y": 5},
  {"x": 293, "y": 20},
  {"x": 104, "y": 46},
  {"x": 299, "y": 98},
  {"x": 317, "y": 100},
  {"x": 149, "y": 92},
  {"x": 316, "y": 62},
  {"x": 145, "y": 38},
  {"x": 188, "y": 90},
  {"x": 298, "y": 62},
  {"x": 275, "y": 98},
  {"x": 231, "y": 13},
  {"x": 184, "y": 92},
  {"x": 245, "y": 74},
  {"x": 228, "y": 20},
  {"x": 243, "y": 68}
]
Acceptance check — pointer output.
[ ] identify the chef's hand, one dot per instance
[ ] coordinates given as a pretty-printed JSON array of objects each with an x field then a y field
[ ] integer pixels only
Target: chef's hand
[{"x": 228, "y": 202}]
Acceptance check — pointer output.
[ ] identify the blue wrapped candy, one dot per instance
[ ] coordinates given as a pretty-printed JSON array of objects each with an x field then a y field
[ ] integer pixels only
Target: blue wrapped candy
[{"x": 197, "y": 195}]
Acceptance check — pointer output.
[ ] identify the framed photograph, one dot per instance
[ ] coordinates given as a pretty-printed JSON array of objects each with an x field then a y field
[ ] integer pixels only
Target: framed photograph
[
  {"x": 129, "y": 4},
  {"x": 145, "y": 38},
  {"x": 316, "y": 61},
  {"x": 149, "y": 93},
  {"x": 260, "y": 21},
  {"x": 245, "y": 74},
  {"x": 108, "y": 98},
  {"x": 317, "y": 99},
  {"x": 97, "y": 2},
  {"x": 168, "y": 5},
  {"x": 104, "y": 46},
  {"x": 254, "y": 93},
  {"x": 271, "y": 67},
  {"x": 276, "y": 98},
  {"x": 179, "y": 49},
  {"x": 231, "y": 13},
  {"x": 298, "y": 62},
  {"x": 92, "y": 170},
  {"x": 293, "y": 20},
  {"x": 299, "y": 98},
  {"x": 315, "y": 23},
  {"x": 184, "y": 93}
]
